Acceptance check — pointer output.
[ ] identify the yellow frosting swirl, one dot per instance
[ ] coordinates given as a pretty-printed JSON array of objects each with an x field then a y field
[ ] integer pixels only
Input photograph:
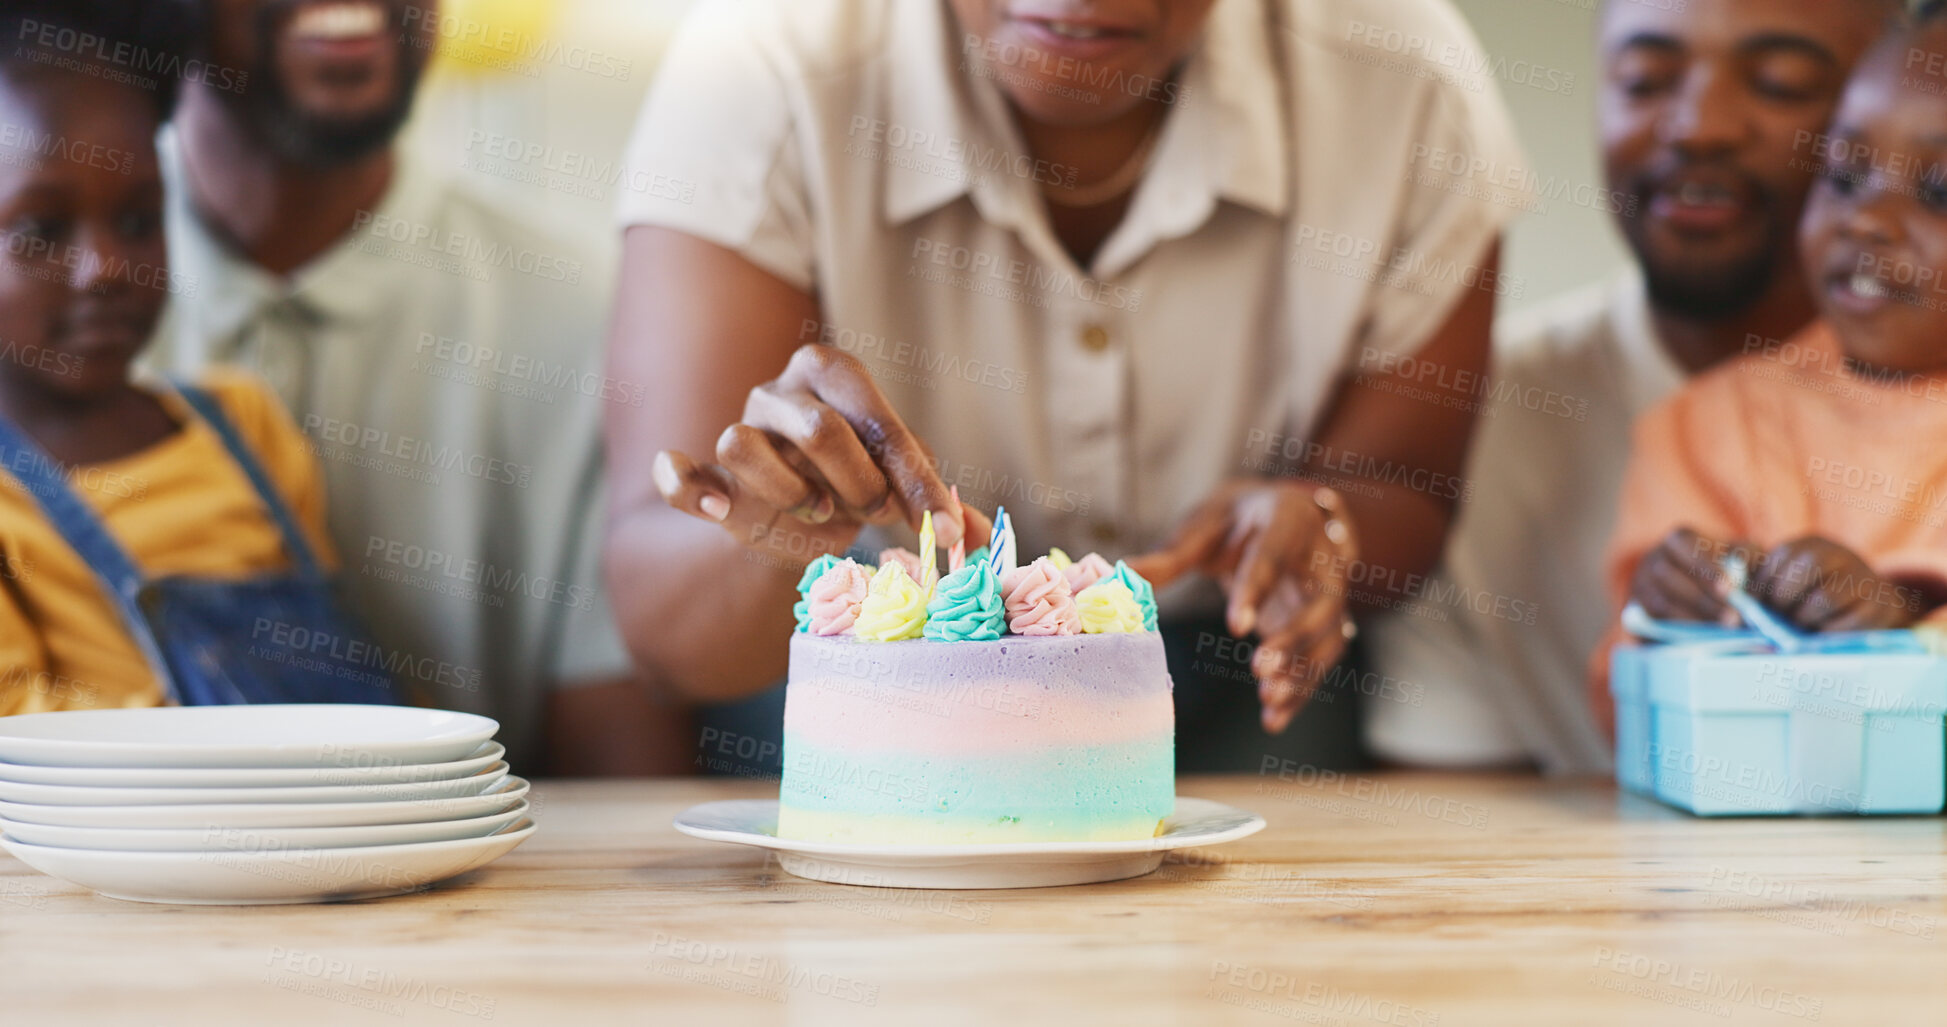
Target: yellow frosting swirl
[
  {"x": 1107, "y": 608},
  {"x": 894, "y": 607}
]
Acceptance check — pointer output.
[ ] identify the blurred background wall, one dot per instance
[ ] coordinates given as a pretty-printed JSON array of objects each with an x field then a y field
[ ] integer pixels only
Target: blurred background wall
[{"x": 561, "y": 80}]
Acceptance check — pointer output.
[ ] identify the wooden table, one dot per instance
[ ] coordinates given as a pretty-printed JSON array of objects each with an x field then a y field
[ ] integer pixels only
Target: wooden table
[{"x": 1406, "y": 900}]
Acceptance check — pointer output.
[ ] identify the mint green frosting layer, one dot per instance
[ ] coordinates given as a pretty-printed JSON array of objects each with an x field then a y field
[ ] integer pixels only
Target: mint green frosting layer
[
  {"x": 1057, "y": 793},
  {"x": 966, "y": 606},
  {"x": 812, "y": 573},
  {"x": 1144, "y": 592}
]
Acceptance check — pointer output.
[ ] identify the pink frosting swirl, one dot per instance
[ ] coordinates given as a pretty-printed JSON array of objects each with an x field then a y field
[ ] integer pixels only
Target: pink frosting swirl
[
  {"x": 1087, "y": 571},
  {"x": 835, "y": 597},
  {"x": 1039, "y": 602},
  {"x": 903, "y": 557}
]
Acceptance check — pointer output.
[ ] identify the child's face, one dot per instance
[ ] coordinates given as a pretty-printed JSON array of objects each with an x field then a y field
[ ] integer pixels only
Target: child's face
[
  {"x": 83, "y": 272},
  {"x": 1875, "y": 230}
]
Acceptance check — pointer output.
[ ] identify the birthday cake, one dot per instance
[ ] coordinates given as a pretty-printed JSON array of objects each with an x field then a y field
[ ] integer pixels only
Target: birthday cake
[{"x": 994, "y": 704}]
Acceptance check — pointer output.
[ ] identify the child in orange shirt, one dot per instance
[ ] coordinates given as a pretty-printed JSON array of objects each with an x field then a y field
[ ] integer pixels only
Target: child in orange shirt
[
  {"x": 156, "y": 544},
  {"x": 1823, "y": 459}
]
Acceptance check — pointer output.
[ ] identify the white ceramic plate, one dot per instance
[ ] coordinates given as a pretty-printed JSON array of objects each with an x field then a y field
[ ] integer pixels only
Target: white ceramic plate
[
  {"x": 189, "y": 839},
  {"x": 255, "y": 877},
  {"x": 253, "y": 777},
  {"x": 280, "y": 814},
  {"x": 297, "y": 735},
  {"x": 86, "y": 795},
  {"x": 1014, "y": 865}
]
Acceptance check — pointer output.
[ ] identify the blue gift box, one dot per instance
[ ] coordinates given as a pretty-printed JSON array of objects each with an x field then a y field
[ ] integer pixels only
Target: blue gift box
[{"x": 1730, "y": 725}]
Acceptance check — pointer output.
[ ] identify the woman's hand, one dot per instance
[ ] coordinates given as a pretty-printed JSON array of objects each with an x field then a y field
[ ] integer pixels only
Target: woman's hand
[
  {"x": 1820, "y": 585},
  {"x": 821, "y": 445},
  {"x": 1281, "y": 550}
]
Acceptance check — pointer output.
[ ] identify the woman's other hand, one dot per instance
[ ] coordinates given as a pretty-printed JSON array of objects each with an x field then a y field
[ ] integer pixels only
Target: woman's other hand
[{"x": 1281, "y": 550}]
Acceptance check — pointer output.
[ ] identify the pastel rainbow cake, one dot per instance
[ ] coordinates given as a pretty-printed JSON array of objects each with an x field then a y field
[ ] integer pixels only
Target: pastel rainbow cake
[{"x": 993, "y": 705}]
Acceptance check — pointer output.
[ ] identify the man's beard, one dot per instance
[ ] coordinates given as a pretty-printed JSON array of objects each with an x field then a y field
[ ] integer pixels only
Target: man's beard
[
  {"x": 1716, "y": 292},
  {"x": 315, "y": 141},
  {"x": 1719, "y": 294}
]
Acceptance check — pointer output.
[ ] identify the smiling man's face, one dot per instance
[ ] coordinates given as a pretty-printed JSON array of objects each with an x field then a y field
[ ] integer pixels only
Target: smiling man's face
[
  {"x": 329, "y": 81},
  {"x": 1079, "y": 63},
  {"x": 1705, "y": 113}
]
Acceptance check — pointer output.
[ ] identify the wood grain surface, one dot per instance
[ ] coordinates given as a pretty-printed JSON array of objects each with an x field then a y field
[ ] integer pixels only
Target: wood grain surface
[{"x": 1408, "y": 900}]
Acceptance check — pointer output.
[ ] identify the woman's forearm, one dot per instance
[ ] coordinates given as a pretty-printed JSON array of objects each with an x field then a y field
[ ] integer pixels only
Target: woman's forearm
[
  {"x": 1401, "y": 536},
  {"x": 713, "y": 618}
]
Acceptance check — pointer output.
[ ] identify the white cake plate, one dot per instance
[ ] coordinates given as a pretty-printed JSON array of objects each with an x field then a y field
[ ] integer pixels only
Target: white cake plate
[{"x": 1012, "y": 865}]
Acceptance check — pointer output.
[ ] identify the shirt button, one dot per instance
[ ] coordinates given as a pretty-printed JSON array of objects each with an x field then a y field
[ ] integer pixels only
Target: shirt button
[
  {"x": 1095, "y": 338},
  {"x": 1103, "y": 532}
]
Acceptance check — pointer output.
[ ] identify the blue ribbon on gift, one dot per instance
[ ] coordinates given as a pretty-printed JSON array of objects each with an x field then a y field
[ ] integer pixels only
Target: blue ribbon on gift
[{"x": 1774, "y": 637}]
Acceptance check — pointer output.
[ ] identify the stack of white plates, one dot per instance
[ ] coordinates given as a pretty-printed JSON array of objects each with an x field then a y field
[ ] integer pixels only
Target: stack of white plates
[{"x": 257, "y": 804}]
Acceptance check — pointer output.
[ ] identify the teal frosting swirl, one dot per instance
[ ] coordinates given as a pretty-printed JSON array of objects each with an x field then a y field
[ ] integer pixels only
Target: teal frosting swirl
[
  {"x": 1144, "y": 593},
  {"x": 812, "y": 573},
  {"x": 978, "y": 555},
  {"x": 966, "y": 606}
]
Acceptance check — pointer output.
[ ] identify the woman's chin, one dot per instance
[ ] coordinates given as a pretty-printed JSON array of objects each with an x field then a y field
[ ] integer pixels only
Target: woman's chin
[{"x": 1065, "y": 105}]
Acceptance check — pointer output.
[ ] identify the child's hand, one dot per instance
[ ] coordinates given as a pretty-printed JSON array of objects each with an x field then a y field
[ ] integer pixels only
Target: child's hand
[
  {"x": 1820, "y": 585},
  {"x": 1681, "y": 580}
]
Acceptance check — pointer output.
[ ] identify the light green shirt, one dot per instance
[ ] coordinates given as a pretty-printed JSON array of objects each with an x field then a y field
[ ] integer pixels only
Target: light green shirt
[{"x": 445, "y": 361}]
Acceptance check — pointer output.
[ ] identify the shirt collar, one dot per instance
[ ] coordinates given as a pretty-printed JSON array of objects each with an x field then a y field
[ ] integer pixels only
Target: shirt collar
[
  {"x": 1226, "y": 137},
  {"x": 228, "y": 291}
]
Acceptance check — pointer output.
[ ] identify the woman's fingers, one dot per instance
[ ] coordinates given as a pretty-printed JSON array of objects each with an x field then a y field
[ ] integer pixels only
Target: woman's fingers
[
  {"x": 713, "y": 494},
  {"x": 686, "y": 486},
  {"x": 842, "y": 382},
  {"x": 826, "y": 439},
  {"x": 1284, "y": 542},
  {"x": 1198, "y": 539},
  {"x": 754, "y": 461},
  {"x": 978, "y": 527}
]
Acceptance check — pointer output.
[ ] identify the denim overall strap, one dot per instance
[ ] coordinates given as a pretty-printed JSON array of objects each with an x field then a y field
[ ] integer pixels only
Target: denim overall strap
[
  {"x": 205, "y": 406},
  {"x": 83, "y": 531}
]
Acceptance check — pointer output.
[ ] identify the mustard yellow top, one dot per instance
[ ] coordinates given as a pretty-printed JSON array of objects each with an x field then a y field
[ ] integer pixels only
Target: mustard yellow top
[{"x": 181, "y": 506}]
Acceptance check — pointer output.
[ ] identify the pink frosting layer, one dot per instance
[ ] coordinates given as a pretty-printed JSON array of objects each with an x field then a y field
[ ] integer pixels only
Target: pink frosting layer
[
  {"x": 1087, "y": 571},
  {"x": 834, "y": 599},
  {"x": 1039, "y": 601},
  {"x": 990, "y": 718}
]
